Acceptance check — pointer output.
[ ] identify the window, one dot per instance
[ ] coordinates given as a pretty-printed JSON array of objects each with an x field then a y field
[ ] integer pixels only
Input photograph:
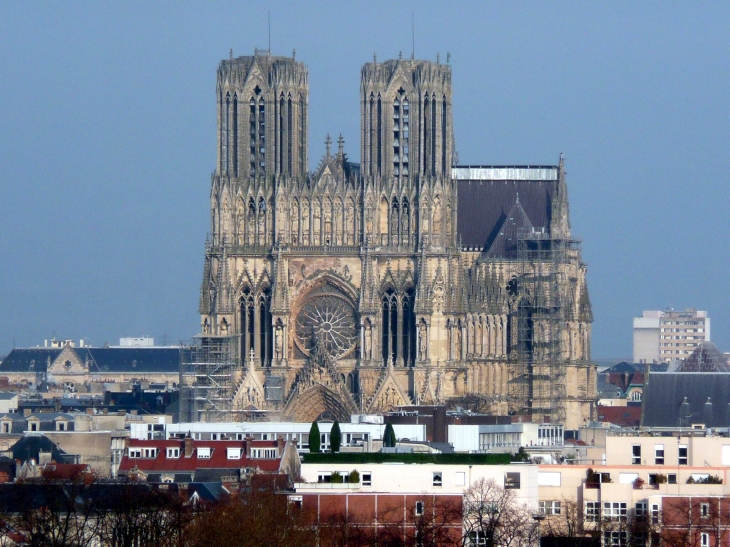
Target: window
[
  {"x": 135, "y": 452},
  {"x": 61, "y": 426},
  {"x": 6, "y": 427},
  {"x": 682, "y": 454},
  {"x": 659, "y": 454},
  {"x": 640, "y": 510},
  {"x": 262, "y": 454},
  {"x": 548, "y": 507},
  {"x": 614, "y": 510},
  {"x": 593, "y": 511},
  {"x": 655, "y": 514},
  {"x": 149, "y": 452},
  {"x": 173, "y": 452},
  {"x": 512, "y": 481},
  {"x": 233, "y": 453},
  {"x": 614, "y": 538},
  {"x": 437, "y": 479},
  {"x": 204, "y": 453},
  {"x": 479, "y": 538},
  {"x": 672, "y": 478},
  {"x": 419, "y": 508},
  {"x": 636, "y": 454},
  {"x": 704, "y": 510},
  {"x": 34, "y": 426},
  {"x": 705, "y": 540},
  {"x": 367, "y": 478}
]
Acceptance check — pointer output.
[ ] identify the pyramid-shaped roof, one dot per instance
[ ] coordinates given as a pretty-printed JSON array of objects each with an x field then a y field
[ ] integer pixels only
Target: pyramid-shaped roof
[
  {"x": 705, "y": 358},
  {"x": 515, "y": 224}
]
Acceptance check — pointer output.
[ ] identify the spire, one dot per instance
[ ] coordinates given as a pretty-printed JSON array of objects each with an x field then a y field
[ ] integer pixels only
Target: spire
[
  {"x": 225, "y": 288},
  {"x": 204, "y": 305},
  {"x": 328, "y": 144},
  {"x": 280, "y": 297},
  {"x": 423, "y": 302},
  {"x": 340, "y": 145},
  {"x": 560, "y": 220},
  {"x": 367, "y": 285}
]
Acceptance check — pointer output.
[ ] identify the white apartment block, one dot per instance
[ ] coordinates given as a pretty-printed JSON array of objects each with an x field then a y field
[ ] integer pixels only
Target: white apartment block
[{"x": 661, "y": 336}]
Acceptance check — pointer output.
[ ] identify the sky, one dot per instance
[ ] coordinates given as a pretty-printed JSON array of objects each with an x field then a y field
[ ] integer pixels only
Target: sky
[{"x": 107, "y": 142}]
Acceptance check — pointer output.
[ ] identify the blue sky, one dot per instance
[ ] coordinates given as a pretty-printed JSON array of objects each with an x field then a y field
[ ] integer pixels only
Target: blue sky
[{"x": 107, "y": 142}]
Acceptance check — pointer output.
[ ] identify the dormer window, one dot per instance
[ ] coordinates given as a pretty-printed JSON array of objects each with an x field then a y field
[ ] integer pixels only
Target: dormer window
[
  {"x": 234, "y": 453},
  {"x": 204, "y": 453},
  {"x": 173, "y": 452},
  {"x": 135, "y": 452}
]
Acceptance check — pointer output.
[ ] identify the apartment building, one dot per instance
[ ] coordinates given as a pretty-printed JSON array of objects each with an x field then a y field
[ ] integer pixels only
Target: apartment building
[{"x": 661, "y": 336}]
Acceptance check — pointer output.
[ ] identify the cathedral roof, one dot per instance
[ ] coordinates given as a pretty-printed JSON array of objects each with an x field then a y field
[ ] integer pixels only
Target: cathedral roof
[
  {"x": 705, "y": 358},
  {"x": 487, "y": 195}
]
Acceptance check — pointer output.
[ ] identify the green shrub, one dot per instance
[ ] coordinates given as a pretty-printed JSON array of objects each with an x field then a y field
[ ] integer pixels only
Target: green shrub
[{"x": 314, "y": 438}]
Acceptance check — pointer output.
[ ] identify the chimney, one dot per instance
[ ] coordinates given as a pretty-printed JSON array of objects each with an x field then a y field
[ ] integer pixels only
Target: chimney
[
  {"x": 189, "y": 446},
  {"x": 127, "y": 442},
  {"x": 26, "y": 412},
  {"x": 247, "y": 442},
  {"x": 280, "y": 444},
  {"x": 89, "y": 410}
]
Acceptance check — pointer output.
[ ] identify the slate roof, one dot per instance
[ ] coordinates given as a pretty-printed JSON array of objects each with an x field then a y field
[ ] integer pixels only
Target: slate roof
[
  {"x": 6, "y": 395},
  {"x": 114, "y": 360},
  {"x": 29, "y": 359},
  {"x": 485, "y": 204},
  {"x": 665, "y": 392},
  {"x": 30, "y": 445},
  {"x": 705, "y": 358}
]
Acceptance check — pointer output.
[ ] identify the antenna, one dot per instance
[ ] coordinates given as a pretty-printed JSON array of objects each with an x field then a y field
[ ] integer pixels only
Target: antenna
[
  {"x": 269, "y": 32},
  {"x": 413, "y": 37}
]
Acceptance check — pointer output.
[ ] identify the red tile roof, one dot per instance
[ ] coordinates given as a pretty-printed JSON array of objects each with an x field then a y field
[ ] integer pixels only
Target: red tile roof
[
  {"x": 218, "y": 457},
  {"x": 627, "y": 416}
]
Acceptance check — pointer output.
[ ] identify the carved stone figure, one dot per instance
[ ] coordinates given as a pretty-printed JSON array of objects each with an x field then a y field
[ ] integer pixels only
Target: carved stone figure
[
  {"x": 422, "y": 341},
  {"x": 279, "y": 343}
]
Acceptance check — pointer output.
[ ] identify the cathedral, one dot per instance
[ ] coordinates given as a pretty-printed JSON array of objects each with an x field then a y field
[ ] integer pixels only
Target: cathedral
[{"x": 404, "y": 279}]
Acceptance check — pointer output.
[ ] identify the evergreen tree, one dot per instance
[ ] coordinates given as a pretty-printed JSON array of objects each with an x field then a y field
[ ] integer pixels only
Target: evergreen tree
[
  {"x": 335, "y": 437},
  {"x": 389, "y": 436},
  {"x": 314, "y": 438}
]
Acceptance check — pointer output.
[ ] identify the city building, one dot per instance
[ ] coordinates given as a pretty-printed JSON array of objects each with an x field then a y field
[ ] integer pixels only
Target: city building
[
  {"x": 400, "y": 280},
  {"x": 178, "y": 460},
  {"x": 72, "y": 367},
  {"x": 662, "y": 336},
  {"x": 697, "y": 394}
]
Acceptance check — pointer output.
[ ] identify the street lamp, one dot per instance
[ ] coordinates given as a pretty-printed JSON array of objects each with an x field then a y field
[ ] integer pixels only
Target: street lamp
[{"x": 538, "y": 518}]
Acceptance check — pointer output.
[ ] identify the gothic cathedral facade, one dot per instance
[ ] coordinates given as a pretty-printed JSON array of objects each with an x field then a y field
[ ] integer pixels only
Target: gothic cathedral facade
[{"x": 401, "y": 280}]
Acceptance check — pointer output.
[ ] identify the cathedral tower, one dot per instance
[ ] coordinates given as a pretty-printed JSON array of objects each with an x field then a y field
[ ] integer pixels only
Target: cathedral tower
[
  {"x": 262, "y": 116},
  {"x": 405, "y": 119}
]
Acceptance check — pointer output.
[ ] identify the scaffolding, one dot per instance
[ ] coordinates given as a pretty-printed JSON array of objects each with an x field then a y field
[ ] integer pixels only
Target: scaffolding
[
  {"x": 539, "y": 378},
  {"x": 208, "y": 369}
]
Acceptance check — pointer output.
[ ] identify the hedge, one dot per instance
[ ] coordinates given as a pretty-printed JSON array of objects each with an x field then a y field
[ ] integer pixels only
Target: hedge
[{"x": 416, "y": 457}]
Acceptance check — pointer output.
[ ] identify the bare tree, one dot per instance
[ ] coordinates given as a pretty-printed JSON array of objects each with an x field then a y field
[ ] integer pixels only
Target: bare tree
[{"x": 492, "y": 516}]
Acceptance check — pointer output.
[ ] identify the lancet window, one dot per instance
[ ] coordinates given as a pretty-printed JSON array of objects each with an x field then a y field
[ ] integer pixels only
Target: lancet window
[
  {"x": 256, "y": 329},
  {"x": 398, "y": 327},
  {"x": 401, "y": 134}
]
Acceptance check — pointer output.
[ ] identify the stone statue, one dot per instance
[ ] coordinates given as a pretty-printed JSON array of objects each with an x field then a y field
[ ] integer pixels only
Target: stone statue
[
  {"x": 422, "y": 341},
  {"x": 368, "y": 341},
  {"x": 279, "y": 343}
]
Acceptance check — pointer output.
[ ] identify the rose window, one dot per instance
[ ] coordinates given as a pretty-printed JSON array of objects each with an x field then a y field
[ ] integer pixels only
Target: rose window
[{"x": 330, "y": 317}]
